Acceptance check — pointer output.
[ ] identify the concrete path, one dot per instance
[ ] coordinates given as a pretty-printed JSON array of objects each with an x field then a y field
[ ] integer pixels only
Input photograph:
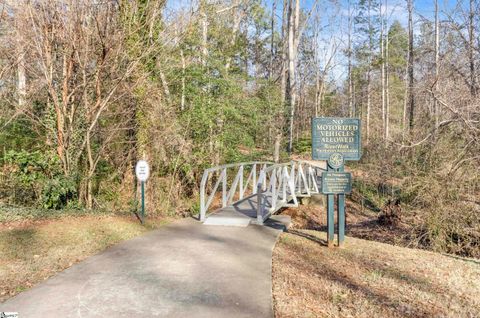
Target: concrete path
[{"x": 184, "y": 269}]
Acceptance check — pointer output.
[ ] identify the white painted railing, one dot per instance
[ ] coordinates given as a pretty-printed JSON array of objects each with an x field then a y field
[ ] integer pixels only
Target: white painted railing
[
  {"x": 281, "y": 184},
  {"x": 238, "y": 180},
  {"x": 277, "y": 186}
]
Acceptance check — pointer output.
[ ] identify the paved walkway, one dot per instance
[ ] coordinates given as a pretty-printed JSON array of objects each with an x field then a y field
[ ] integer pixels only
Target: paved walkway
[{"x": 184, "y": 269}]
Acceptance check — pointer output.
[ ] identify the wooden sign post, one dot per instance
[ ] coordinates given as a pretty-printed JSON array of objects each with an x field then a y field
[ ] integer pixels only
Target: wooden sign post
[{"x": 336, "y": 140}]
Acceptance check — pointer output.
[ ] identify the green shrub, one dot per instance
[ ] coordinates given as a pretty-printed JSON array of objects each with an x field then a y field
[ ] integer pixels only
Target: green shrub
[
  {"x": 35, "y": 179},
  {"x": 58, "y": 192}
]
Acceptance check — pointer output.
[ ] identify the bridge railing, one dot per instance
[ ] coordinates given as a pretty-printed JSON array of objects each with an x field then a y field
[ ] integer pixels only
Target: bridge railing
[
  {"x": 237, "y": 180},
  {"x": 281, "y": 184}
]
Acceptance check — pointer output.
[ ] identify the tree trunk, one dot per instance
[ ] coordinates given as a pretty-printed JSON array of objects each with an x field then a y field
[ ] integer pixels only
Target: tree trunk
[
  {"x": 236, "y": 26},
  {"x": 272, "y": 39},
  {"x": 411, "y": 98},
  {"x": 387, "y": 89},
  {"x": 369, "y": 69},
  {"x": 166, "y": 90},
  {"x": 471, "y": 55},
  {"x": 354, "y": 100},
  {"x": 317, "y": 90},
  {"x": 203, "y": 14},
  {"x": 368, "y": 105},
  {"x": 317, "y": 93},
  {"x": 276, "y": 148},
  {"x": 182, "y": 100},
  {"x": 91, "y": 171},
  {"x": 405, "y": 103},
  {"x": 20, "y": 53},
  {"x": 350, "y": 80},
  {"x": 283, "y": 89},
  {"x": 321, "y": 91},
  {"x": 22, "y": 79},
  {"x": 317, "y": 64},
  {"x": 382, "y": 54},
  {"x": 437, "y": 60},
  {"x": 294, "y": 11}
]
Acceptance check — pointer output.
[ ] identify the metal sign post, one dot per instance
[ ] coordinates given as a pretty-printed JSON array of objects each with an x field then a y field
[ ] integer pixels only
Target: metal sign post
[
  {"x": 330, "y": 214},
  {"x": 143, "y": 202},
  {"x": 142, "y": 170},
  {"x": 336, "y": 140},
  {"x": 341, "y": 214}
]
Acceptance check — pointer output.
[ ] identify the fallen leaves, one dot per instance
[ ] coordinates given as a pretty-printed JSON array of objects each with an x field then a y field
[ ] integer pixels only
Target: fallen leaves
[{"x": 370, "y": 279}]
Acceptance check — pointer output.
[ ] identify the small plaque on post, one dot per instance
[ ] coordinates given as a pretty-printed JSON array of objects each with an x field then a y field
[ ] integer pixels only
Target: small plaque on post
[{"x": 336, "y": 182}]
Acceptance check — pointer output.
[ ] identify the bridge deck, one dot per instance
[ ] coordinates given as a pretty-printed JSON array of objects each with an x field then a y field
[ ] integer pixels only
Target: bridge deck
[{"x": 241, "y": 213}]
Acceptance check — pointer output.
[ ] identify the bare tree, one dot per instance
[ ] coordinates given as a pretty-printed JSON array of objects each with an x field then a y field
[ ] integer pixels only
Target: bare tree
[
  {"x": 437, "y": 61},
  {"x": 293, "y": 22},
  {"x": 294, "y": 36},
  {"x": 411, "y": 96},
  {"x": 471, "y": 45},
  {"x": 382, "y": 67},
  {"x": 272, "y": 38},
  {"x": 21, "y": 71},
  {"x": 369, "y": 67},
  {"x": 182, "y": 98},
  {"x": 204, "y": 25},
  {"x": 283, "y": 84},
  {"x": 239, "y": 14},
  {"x": 85, "y": 68},
  {"x": 351, "y": 105},
  {"x": 387, "y": 81}
]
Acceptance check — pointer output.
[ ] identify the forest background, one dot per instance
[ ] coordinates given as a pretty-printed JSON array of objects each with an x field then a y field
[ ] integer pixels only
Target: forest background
[{"x": 88, "y": 87}]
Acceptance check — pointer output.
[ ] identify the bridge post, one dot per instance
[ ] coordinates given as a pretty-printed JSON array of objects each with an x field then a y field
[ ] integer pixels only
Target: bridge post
[
  {"x": 259, "y": 204},
  {"x": 254, "y": 178},
  {"x": 224, "y": 188},
  {"x": 240, "y": 171},
  {"x": 273, "y": 181},
  {"x": 299, "y": 178},
  {"x": 309, "y": 180},
  {"x": 203, "y": 205}
]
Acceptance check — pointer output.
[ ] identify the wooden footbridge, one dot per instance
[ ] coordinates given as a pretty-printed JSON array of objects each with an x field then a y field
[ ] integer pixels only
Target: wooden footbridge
[{"x": 242, "y": 193}]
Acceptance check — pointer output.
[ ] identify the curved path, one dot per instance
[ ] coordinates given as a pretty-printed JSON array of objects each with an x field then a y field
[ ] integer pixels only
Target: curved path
[{"x": 184, "y": 269}]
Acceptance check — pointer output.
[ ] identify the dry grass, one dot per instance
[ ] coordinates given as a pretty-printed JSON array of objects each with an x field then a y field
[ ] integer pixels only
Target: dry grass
[
  {"x": 370, "y": 279},
  {"x": 33, "y": 251}
]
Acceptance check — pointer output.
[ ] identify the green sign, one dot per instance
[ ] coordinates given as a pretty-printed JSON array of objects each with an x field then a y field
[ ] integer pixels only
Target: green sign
[
  {"x": 336, "y": 182},
  {"x": 336, "y": 135}
]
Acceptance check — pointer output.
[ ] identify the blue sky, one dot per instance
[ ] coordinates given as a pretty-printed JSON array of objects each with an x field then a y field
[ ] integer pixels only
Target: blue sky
[
  {"x": 334, "y": 19},
  {"x": 423, "y": 8}
]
